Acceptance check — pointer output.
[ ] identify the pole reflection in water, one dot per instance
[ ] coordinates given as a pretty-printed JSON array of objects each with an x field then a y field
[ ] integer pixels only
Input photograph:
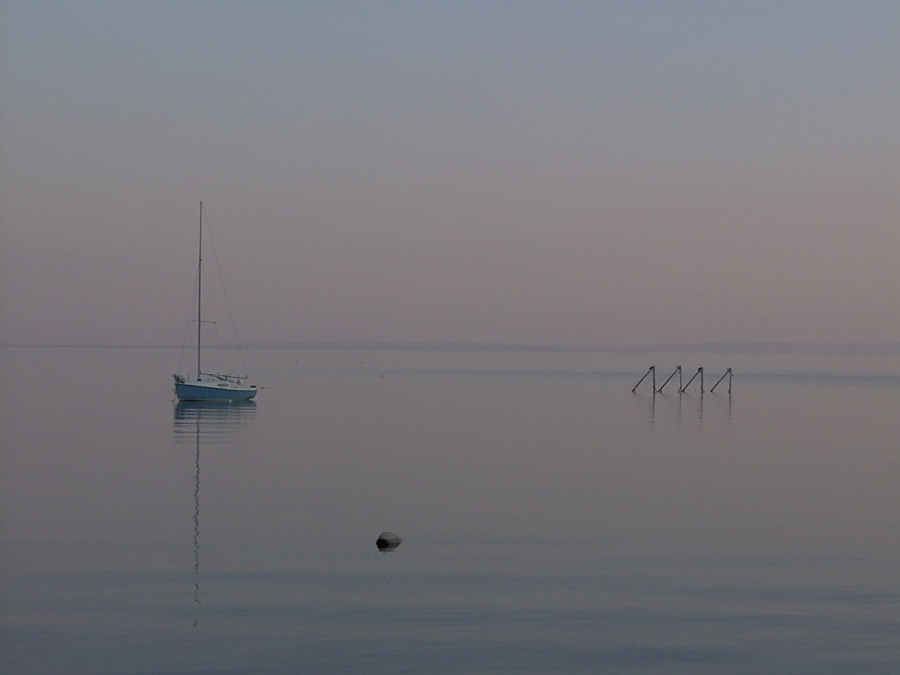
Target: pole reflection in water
[
  {"x": 700, "y": 411},
  {"x": 213, "y": 423},
  {"x": 197, "y": 523},
  {"x": 674, "y": 407},
  {"x": 646, "y": 405}
]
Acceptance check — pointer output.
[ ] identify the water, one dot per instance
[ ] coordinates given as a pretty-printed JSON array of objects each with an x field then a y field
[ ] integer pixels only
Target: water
[{"x": 552, "y": 520}]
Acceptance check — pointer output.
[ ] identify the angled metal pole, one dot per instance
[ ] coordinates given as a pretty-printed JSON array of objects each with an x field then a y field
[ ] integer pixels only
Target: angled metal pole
[
  {"x": 652, "y": 370},
  {"x": 693, "y": 377},
  {"x": 728, "y": 373},
  {"x": 677, "y": 370}
]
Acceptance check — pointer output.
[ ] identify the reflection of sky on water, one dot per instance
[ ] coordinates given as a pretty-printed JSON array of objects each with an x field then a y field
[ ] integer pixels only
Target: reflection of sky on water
[
  {"x": 543, "y": 498},
  {"x": 213, "y": 421}
]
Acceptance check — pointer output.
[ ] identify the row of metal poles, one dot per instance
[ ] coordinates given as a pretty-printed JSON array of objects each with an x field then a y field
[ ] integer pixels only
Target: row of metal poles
[{"x": 683, "y": 387}]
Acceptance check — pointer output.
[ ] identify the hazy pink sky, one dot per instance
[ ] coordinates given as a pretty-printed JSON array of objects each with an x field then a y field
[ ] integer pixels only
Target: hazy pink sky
[{"x": 527, "y": 172}]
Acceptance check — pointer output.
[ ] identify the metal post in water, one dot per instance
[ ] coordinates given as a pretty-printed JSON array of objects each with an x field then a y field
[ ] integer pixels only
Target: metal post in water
[
  {"x": 729, "y": 374},
  {"x": 677, "y": 370},
  {"x": 693, "y": 377},
  {"x": 651, "y": 370}
]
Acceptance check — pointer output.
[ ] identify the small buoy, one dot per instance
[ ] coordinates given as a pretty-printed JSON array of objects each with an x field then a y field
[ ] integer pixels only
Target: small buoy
[{"x": 388, "y": 541}]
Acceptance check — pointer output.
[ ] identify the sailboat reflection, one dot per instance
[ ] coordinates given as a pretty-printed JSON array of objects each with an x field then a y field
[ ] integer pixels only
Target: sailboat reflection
[{"x": 213, "y": 423}]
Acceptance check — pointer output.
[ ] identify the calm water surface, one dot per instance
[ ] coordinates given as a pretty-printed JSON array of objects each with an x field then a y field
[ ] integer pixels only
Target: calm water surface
[{"x": 552, "y": 520}]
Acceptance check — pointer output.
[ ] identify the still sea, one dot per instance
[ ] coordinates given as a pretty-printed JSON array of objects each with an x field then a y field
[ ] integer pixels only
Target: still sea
[{"x": 552, "y": 520}]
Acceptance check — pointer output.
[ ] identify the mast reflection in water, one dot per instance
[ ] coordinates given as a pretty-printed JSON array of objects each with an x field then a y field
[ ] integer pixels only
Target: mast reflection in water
[{"x": 212, "y": 423}]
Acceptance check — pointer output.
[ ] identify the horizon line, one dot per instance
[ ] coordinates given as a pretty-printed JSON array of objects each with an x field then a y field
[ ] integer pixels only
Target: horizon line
[{"x": 718, "y": 346}]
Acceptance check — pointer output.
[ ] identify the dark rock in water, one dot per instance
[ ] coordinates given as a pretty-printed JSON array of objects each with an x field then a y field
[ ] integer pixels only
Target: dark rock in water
[{"x": 388, "y": 541}]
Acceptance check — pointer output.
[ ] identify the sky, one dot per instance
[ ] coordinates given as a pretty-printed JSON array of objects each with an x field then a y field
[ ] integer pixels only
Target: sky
[{"x": 560, "y": 173}]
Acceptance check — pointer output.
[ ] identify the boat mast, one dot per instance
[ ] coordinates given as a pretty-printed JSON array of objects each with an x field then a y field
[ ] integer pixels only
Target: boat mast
[{"x": 199, "y": 281}]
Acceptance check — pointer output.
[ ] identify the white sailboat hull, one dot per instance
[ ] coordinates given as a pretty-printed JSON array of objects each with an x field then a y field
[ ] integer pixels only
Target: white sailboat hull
[{"x": 214, "y": 390}]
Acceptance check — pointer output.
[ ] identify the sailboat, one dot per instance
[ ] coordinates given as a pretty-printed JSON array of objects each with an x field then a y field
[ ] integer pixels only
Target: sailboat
[{"x": 210, "y": 386}]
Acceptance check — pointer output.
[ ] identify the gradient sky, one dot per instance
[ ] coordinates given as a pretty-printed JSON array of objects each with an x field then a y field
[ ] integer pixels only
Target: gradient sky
[{"x": 523, "y": 172}]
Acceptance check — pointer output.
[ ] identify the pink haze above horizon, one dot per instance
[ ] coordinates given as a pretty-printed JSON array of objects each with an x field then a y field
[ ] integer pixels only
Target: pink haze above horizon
[{"x": 575, "y": 173}]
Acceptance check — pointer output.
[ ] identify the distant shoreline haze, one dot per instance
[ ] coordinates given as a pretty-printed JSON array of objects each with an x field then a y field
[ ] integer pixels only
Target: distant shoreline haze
[{"x": 798, "y": 348}]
